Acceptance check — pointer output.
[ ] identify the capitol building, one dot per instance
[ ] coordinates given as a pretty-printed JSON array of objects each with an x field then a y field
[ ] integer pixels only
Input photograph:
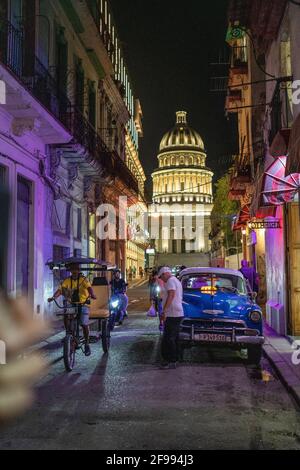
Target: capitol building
[{"x": 182, "y": 196}]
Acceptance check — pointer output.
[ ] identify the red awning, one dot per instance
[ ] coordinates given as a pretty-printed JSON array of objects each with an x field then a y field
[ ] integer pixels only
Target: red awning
[
  {"x": 242, "y": 218},
  {"x": 278, "y": 188},
  {"x": 265, "y": 211}
]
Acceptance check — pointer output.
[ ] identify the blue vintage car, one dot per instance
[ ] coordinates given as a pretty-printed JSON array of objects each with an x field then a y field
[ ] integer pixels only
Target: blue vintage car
[{"x": 220, "y": 310}]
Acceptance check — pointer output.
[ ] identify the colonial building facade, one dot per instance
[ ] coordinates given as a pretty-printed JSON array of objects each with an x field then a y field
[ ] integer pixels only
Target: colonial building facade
[
  {"x": 266, "y": 174},
  {"x": 66, "y": 124},
  {"x": 182, "y": 195}
]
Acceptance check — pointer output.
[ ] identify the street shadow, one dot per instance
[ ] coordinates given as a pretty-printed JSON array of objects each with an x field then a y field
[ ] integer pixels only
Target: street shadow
[
  {"x": 144, "y": 352},
  {"x": 53, "y": 346},
  {"x": 212, "y": 357}
]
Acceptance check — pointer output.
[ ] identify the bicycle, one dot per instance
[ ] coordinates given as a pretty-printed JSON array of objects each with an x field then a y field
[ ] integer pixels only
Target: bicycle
[{"x": 73, "y": 341}]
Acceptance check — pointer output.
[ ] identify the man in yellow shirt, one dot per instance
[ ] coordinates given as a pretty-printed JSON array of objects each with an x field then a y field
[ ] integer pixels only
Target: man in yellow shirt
[{"x": 77, "y": 290}]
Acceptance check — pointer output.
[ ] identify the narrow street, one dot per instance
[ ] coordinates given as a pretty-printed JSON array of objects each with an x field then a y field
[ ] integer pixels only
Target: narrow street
[{"x": 123, "y": 401}]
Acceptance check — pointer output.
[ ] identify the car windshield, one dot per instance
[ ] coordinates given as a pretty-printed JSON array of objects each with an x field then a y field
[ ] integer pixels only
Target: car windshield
[{"x": 208, "y": 282}]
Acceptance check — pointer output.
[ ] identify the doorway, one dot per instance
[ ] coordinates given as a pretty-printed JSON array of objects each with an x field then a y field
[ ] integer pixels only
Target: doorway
[
  {"x": 24, "y": 237},
  {"x": 293, "y": 267}
]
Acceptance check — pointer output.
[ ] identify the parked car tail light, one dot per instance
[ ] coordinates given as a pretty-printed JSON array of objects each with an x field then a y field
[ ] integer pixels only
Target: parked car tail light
[{"x": 255, "y": 316}]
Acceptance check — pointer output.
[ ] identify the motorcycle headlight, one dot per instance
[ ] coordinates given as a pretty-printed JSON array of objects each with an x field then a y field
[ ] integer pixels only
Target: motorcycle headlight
[
  {"x": 114, "y": 303},
  {"x": 157, "y": 289},
  {"x": 255, "y": 316}
]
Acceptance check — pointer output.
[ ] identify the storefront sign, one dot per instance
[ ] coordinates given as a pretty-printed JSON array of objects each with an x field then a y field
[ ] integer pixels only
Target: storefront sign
[{"x": 264, "y": 224}]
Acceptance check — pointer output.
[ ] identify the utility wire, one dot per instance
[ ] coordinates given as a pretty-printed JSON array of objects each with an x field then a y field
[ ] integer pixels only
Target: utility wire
[{"x": 255, "y": 53}]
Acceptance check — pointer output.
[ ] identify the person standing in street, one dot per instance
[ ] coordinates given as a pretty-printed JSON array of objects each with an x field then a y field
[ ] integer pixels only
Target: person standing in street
[
  {"x": 172, "y": 315},
  {"x": 251, "y": 275}
]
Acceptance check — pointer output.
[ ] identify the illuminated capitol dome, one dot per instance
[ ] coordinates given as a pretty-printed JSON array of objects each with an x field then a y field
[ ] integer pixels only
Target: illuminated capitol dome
[{"x": 182, "y": 179}]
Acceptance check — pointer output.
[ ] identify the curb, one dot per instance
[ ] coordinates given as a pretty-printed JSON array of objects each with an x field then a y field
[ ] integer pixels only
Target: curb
[{"x": 285, "y": 372}]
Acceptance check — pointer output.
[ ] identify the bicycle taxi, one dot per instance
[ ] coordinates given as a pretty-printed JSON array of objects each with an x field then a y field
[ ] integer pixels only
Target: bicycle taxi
[{"x": 97, "y": 272}]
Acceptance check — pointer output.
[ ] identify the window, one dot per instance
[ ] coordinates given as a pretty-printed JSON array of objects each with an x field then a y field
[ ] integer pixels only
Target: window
[
  {"x": 24, "y": 203},
  {"x": 224, "y": 282},
  {"x": 4, "y": 217},
  {"x": 92, "y": 104},
  {"x": 61, "y": 217},
  {"x": 79, "y": 84},
  {"x": 92, "y": 235},
  {"x": 61, "y": 61},
  {"x": 2, "y": 175},
  {"x": 77, "y": 224},
  {"x": 60, "y": 252},
  {"x": 29, "y": 12}
]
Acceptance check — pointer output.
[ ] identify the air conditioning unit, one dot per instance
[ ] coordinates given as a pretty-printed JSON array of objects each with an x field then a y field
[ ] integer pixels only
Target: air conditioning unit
[{"x": 276, "y": 317}]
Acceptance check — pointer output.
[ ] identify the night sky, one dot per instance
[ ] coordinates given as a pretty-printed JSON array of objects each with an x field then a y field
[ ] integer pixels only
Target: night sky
[{"x": 169, "y": 46}]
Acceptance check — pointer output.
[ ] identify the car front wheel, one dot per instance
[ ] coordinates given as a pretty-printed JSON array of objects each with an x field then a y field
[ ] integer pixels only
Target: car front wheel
[{"x": 254, "y": 354}]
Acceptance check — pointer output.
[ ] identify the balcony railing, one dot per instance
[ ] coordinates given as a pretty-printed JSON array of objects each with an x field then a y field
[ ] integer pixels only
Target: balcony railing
[
  {"x": 38, "y": 80},
  {"x": 43, "y": 86},
  {"x": 84, "y": 134},
  {"x": 234, "y": 96},
  {"x": 241, "y": 177},
  {"x": 102, "y": 27},
  {"x": 281, "y": 108}
]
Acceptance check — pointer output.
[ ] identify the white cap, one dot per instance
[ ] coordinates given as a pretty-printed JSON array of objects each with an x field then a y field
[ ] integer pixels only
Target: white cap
[{"x": 164, "y": 270}]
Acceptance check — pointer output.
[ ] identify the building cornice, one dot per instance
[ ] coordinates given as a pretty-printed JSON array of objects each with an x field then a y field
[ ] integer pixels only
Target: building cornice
[
  {"x": 187, "y": 170},
  {"x": 181, "y": 150}
]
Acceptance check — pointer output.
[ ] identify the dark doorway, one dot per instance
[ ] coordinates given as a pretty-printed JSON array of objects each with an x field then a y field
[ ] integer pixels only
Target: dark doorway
[{"x": 24, "y": 203}]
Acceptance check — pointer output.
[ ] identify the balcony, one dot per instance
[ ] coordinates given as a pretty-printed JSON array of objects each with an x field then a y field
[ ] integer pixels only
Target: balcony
[
  {"x": 281, "y": 115},
  {"x": 44, "y": 88},
  {"x": 241, "y": 177},
  {"x": 38, "y": 81},
  {"x": 234, "y": 96},
  {"x": 98, "y": 153},
  {"x": 234, "y": 99},
  {"x": 239, "y": 60},
  {"x": 100, "y": 22},
  {"x": 236, "y": 194}
]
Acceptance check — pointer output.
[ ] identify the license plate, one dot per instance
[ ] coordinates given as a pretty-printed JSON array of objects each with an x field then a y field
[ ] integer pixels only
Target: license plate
[{"x": 212, "y": 338}]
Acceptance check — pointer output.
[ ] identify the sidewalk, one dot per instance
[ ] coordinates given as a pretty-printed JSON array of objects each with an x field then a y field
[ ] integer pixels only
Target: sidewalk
[{"x": 279, "y": 351}]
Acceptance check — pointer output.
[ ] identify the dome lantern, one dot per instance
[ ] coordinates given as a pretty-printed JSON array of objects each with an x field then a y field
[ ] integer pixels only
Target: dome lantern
[{"x": 181, "y": 117}]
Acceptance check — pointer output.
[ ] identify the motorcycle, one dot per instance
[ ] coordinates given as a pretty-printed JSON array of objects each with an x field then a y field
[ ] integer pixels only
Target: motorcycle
[{"x": 117, "y": 314}]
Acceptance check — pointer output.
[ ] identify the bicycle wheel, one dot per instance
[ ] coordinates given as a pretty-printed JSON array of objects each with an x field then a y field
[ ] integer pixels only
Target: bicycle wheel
[
  {"x": 69, "y": 352},
  {"x": 111, "y": 322},
  {"x": 105, "y": 336}
]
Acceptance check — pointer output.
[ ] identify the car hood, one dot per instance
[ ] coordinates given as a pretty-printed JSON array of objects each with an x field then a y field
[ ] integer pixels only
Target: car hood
[{"x": 220, "y": 305}]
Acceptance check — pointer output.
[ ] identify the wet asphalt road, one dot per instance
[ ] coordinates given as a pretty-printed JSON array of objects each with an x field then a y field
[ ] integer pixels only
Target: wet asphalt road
[{"x": 123, "y": 401}]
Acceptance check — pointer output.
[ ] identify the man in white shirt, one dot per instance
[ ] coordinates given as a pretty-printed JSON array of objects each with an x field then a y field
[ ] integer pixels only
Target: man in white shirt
[{"x": 172, "y": 316}]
